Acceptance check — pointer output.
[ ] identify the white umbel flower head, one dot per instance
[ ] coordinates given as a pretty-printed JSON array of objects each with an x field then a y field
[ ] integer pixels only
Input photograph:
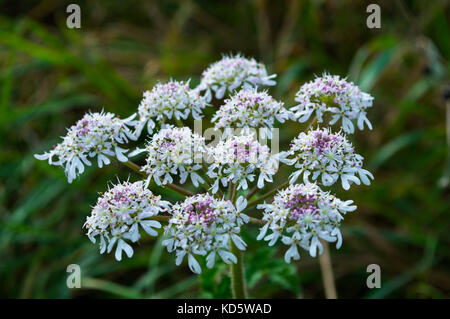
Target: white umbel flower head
[
  {"x": 174, "y": 151},
  {"x": 300, "y": 216},
  {"x": 332, "y": 94},
  {"x": 171, "y": 100},
  {"x": 206, "y": 226},
  {"x": 119, "y": 215},
  {"x": 320, "y": 153},
  {"x": 95, "y": 135},
  {"x": 250, "y": 108},
  {"x": 240, "y": 159},
  {"x": 231, "y": 73}
]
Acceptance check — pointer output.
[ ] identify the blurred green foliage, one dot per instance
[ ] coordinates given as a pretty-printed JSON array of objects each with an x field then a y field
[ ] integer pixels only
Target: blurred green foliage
[{"x": 50, "y": 75}]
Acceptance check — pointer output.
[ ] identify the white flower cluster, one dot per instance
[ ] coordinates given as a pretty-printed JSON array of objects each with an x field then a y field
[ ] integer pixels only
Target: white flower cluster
[
  {"x": 120, "y": 212},
  {"x": 174, "y": 151},
  {"x": 331, "y": 156},
  {"x": 300, "y": 216},
  {"x": 95, "y": 135},
  {"x": 166, "y": 101},
  {"x": 231, "y": 73},
  {"x": 238, "y": 159},
  {"x": 250, "y": 108},
  {"x": 342, "y": 99},
  {"x": 203, "y": 225}
]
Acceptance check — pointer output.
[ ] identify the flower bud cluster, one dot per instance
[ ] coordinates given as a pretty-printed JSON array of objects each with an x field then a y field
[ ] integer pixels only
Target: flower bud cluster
[
  {"x": 166, "y": 101},
  {"x": 206, "y": 226},
  {"x": 300, "y": 216},
  {"x": 95, "y": 135},
  {"x": 119, "y": 215},
  {"x": 332, "y": 94},
  {"x": 330, "y": 156},
  {"x": 174, "y": 151},
  {"x": 250, "y": 108},
  {"x": 232, "y": 72},
  {"x": 239, "y": 159}
]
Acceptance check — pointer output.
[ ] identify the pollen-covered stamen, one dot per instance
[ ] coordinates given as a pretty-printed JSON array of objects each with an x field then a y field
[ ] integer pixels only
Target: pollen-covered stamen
[
  {"x": 302, "y": 205},
  {"x": 202, "y": 212}
]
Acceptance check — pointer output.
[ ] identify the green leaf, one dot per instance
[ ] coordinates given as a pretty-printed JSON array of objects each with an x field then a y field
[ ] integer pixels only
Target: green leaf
[{"x": 389, "y": 149}]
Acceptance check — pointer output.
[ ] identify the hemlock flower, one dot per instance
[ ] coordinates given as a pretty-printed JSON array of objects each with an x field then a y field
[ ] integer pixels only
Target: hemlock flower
[
  {"x": 232, "y": 72},
  {"x": 120, "y": 213},
  {"x": 331, "y": 94},
  {"x": 208, "y": 225},
  {"x": 95, "y": 135},
  {"x": 250, "y": 108},
  {"x": 203, "y": 225},
  {"x": 302, "y": 215},
  {"x": 174, "y": 151},
  {"x": 240, "y": 159},
  {"x": 173, "y": 99},
  {"x": 330, "y": 156}
]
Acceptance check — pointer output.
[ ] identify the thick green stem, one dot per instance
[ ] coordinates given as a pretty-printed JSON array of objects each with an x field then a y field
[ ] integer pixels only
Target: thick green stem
[
  {"x": 237, "y": 269},
  {"x": 237, "y": 274}
]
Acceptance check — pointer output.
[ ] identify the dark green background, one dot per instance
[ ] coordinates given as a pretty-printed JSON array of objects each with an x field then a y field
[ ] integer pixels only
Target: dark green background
[{"x": 50, "y": 76}]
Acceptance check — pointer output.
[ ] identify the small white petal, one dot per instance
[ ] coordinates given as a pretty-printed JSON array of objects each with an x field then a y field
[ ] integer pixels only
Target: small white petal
[{"x": 194, "y": 266}]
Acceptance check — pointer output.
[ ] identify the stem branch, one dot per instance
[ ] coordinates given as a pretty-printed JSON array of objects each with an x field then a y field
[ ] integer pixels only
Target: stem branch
[
  {"x": 166, "y": 219},
  {"x": 251, "y": 192},
  {"x": 267, "y": 195},
  {"x": 160, "y": 218},
  {"x": 237, "y": 274},
  {"x": 237, "y": 269},
  {"x": 173, "y": 187}
]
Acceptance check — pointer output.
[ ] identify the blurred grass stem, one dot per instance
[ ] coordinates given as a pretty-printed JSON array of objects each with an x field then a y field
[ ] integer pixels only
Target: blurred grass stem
[{"x": 327, "y": 272}]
